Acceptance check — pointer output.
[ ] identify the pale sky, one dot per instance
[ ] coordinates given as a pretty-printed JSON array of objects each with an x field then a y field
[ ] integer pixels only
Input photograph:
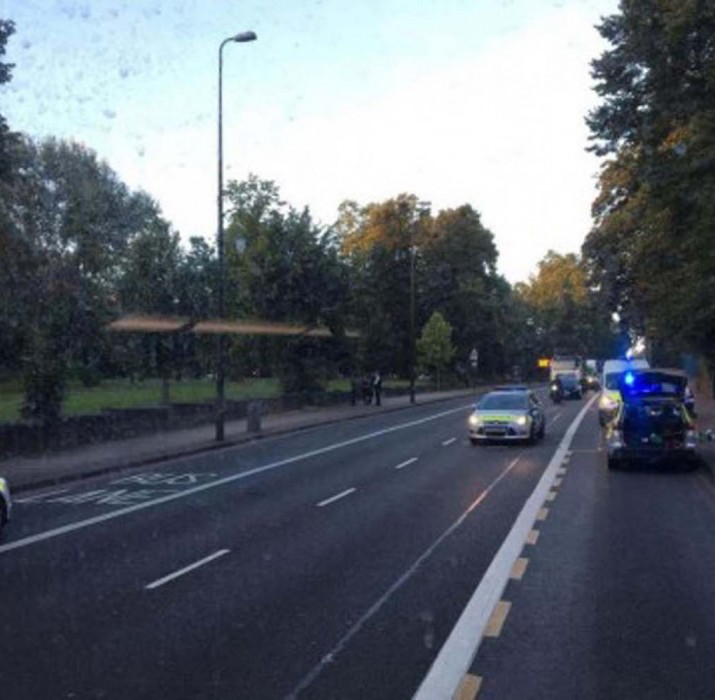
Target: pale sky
[{"x": 457, "y": 101}]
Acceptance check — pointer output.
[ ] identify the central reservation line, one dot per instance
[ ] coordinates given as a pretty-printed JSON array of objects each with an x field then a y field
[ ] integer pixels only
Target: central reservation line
[
  {"x": 337, "y": 497},
  {"x": 406, "y": 463},
  {"x": 186, "y": 569}
]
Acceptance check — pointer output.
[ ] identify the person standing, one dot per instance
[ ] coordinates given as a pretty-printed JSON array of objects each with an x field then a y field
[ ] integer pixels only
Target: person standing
[{"x": 377, "y": 387}]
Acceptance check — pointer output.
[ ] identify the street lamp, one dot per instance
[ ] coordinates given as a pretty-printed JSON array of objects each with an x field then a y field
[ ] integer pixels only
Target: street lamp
[
  {"x": 220, "y": 345},
  {"x": 423, "y": 209}
]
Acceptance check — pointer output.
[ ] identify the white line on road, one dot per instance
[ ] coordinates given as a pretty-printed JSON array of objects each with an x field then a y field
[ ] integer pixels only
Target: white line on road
[
  {"x": 81, "y": 524},
  {"x": 186, "y": 569},
  {"x": 555, "y": 418},
  {"x": 456, "y": 656},
  {"x": 328, "y": 658},
  {"x": 449, "y": 442},
  {"x": 402, "y": 465},
  {"x": 332, "y": 499}
]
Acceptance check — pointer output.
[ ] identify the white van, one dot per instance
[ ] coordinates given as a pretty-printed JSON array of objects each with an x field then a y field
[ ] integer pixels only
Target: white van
[{"x": 610, "y": 394}]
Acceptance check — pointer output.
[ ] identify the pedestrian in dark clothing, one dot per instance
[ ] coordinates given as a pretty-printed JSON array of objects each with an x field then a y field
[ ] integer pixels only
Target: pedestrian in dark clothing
[
  {"x": 353, "y": 388},
  {"x": 377, "y": 387}
]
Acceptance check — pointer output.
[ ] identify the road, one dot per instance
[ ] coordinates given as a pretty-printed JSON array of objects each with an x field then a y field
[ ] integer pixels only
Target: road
[{"x": 334, "y": 563}]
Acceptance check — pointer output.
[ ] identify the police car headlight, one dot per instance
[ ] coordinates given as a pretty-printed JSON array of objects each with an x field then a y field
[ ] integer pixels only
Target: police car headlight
[
  {"x": 474, "y": 420},
  {"x": 521, "y": 420},
  {"x": 607, "y": 403}
]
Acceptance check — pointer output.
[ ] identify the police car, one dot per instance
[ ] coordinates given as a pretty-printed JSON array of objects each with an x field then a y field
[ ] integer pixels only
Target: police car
[
  {"x": 510, "y": 414},
  {"x": 652, "y": 422}
]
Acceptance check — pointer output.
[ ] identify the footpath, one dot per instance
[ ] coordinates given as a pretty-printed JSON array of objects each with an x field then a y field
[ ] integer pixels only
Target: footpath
[
  {"x": 705, "y": 408},
  {"x": 24, "y": 473}
]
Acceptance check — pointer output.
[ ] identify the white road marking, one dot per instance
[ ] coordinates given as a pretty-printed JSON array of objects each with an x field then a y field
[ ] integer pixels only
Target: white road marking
[
  {"x": 555, "y": 418},
  {"x": 337, "y": 497},
  {"x": 186, "y": 569},
  {"x": 455, "y": 657},
  {"x": 449, "y": 442},
  {"x": 88, "y": 522},
  {"x": 328, "y": 658},
  {"x": 402, "y": 465},
  {"x": 39, "y": 496}
]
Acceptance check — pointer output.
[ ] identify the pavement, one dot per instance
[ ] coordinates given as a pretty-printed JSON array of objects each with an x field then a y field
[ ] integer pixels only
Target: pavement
[
  {"x": 25, "y": 473},
  {"x": 705, "y": 407}
]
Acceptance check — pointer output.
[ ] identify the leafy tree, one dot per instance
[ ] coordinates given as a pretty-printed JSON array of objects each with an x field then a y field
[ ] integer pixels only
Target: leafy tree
[
  {"x": 434, "y": 347},
  {"x": 651, "y": 246},
  {"x": 289, "y": 272},
  {"x": 567, "y": 314},
  {"x": 7, "y": 138},
  {"x": 69, "y": 219}
]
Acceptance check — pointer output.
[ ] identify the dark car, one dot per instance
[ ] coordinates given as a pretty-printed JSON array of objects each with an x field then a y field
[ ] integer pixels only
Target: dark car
[
  {"x": 571, "y": 385},
  {"x": 652, "y": 423}
]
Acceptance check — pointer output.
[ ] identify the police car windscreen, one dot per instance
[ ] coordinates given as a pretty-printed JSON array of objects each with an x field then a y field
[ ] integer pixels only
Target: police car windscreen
[
  {"x": 612, "y": 380},
  {"x": 503, "y": 402}
]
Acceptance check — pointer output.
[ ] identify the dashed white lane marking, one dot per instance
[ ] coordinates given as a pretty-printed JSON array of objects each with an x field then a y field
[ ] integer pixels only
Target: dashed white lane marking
[
  {"x": 88, "y": 522},
  {"x": 449, "y": 442},
  {"x": 406, "y": 463},
  {"x": 555, "y": 418},
  {"x": 329, "y": 658},
  {"x": 186, "y": 569},
  {"x": 457, "y": 653},
  {"x": 337, "y": 497}
]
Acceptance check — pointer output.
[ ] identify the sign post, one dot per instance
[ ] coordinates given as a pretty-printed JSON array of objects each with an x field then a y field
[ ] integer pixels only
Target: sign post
[{"x": 474, "y": 362}]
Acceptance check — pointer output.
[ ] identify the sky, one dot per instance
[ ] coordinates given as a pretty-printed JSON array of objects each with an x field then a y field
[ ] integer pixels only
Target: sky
[{"x": 456, "y": 101}]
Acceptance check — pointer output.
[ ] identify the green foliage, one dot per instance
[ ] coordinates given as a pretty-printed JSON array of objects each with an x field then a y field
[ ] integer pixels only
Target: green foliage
[
  {"x": 434, "y": 346},
  {"x": 288, "y": 272},
  {"x": 567, "y": 316},
  {"x": 651, "y": 249}
]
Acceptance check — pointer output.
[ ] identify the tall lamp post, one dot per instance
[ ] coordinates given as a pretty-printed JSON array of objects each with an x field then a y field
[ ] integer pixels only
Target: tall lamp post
[
  {"x": 220, "y": 346},
  {"x": 423, "y": 209}
]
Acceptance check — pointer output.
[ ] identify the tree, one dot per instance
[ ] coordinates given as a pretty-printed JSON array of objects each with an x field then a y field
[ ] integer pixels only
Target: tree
[
  {"x": 68, "y": 220},
  {"x": 434, "y": 347},
  {"x": 651, "y": 246},
  {"x": 7, "y": 138},
  {"x": 569, "y": 316},
  {"x": 289, "y": 272}
]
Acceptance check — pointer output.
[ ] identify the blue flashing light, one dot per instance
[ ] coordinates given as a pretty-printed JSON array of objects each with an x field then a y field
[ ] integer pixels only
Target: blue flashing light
[{"x": 629, "y": 378}]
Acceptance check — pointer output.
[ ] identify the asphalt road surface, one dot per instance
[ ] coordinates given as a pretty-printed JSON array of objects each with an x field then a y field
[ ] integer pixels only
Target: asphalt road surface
[{"x": 333, "y": 563}]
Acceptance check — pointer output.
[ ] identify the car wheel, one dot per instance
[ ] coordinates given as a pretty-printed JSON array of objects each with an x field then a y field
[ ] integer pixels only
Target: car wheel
[
  {"x": 3, "y": 513},
  {"x": 542, "y": 430},
  {"x": 613, "y": 463},
  {"x": 474, "y": 441}
]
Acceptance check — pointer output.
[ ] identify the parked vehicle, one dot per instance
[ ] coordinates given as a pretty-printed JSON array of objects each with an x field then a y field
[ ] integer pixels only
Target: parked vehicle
[
  {"x": 610, "y": 392},
  {"x": 651, "y": 423},
  {"x": 507, "y": 415}
]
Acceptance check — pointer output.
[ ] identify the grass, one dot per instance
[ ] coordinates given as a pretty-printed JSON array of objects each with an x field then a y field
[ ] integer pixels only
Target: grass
[{"x": 122, "y": 393}]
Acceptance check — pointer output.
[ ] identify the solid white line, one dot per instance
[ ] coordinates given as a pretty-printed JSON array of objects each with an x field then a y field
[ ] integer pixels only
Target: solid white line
[
  {"x": 310, "y": 677},
  {"x": 412, "y": 460},
  {"x": 79, "y": 525},
  {"x": 449, "y": 442},
  {"x": 186, "y": 569},
  {"x": 456, "y": 656},
  {"x": 342, "y": 494}
]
